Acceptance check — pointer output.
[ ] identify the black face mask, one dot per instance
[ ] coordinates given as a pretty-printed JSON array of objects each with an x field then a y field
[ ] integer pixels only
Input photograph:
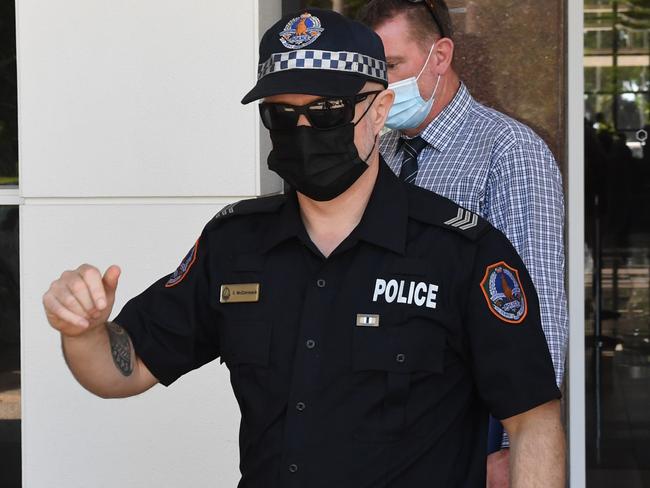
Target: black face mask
[{"x": 319, "y": 163}]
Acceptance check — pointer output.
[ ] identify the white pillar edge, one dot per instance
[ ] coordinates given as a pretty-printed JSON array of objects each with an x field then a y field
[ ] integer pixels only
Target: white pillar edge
[
  {"x": 576, "y": 244},
  {"x": 10, "y": 199}
]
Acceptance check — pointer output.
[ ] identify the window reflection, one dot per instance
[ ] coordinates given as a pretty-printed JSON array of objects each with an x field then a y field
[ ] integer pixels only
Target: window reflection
[
  {"x": 8, "y": 97},
  {"x": 617, "y": 158}
]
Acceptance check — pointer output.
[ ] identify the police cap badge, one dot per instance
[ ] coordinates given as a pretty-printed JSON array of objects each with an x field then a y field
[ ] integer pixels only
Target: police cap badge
[{"x": 301, "y": 31}]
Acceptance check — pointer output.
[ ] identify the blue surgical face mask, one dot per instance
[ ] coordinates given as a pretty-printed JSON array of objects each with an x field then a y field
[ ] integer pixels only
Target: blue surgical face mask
[{"x": 409, "y": 109}]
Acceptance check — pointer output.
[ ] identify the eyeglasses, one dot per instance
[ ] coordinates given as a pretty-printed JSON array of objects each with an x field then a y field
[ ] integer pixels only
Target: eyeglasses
[
  {"x": 432, "y": 9},
  {"x": 324, "y": 113}
]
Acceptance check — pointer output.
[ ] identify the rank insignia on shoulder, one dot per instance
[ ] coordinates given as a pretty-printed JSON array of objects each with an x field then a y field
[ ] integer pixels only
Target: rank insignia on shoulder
[
  {"x": 240, "y": 293},
  {"x": 227, "y": 210},
  {"x": 504, "y": 293},
  {"x": 181, "y": 272},
  {"x": 464, "y": 220}
]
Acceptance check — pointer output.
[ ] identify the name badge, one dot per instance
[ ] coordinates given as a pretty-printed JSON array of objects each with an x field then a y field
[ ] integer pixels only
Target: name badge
[{"x": 240, "y": 293}]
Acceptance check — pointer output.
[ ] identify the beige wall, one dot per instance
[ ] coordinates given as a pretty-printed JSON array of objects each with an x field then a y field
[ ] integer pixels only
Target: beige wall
[{"x": 511, "y": 55}]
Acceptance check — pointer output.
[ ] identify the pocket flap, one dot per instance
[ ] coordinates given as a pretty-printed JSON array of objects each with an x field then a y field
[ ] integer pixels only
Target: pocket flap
[
  {"x": 410, "y": 266},
  {"x": 246, "y": 342},
  {"x": 398, "y": 349}
]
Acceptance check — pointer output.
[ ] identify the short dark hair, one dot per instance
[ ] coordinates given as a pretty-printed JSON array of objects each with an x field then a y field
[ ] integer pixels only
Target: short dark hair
[{"x": 425, "y": 27}]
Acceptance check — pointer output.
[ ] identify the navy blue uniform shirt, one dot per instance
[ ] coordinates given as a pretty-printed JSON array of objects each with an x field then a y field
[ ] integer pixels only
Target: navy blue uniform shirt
[{"x": 375, "y": 367}]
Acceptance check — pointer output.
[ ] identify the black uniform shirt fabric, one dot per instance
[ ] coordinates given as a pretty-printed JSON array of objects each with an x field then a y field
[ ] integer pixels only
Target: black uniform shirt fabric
[{"x": 329, "y": 403}]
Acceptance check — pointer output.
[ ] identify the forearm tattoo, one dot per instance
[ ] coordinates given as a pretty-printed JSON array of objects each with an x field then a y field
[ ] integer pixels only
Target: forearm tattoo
[{"x": 120, "y": 348}]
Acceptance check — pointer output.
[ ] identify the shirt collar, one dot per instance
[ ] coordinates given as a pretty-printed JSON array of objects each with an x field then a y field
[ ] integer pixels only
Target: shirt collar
[
  {"x": 288, "y": 224},
  {"x": 385, "y": 219},
  {"x": 383, "y": 223},
  {"x": 444, "y": 127}
]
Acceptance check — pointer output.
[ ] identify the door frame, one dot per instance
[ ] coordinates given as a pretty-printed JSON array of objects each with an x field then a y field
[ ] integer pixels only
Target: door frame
[{"x": 575, "y": 177}]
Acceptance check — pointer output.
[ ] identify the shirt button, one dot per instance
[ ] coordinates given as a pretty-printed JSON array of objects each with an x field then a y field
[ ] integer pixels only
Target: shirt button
[
  {"x": 401, "y": 358},
  {"x": 300, "y": 406},
  {"x": 293, "y": 468},
  {"x": 321, "y": 283},
  {"x": 310, "y": 344}
]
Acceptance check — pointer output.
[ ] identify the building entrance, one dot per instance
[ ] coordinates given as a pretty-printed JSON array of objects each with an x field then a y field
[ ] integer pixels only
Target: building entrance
[{"x": 617, "y": 251}]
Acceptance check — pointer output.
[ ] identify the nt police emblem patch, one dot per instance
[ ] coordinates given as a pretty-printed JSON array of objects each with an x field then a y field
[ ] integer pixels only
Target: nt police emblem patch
[
  {"x": 504, "y": 294},
  {"x": 184, "y": 268},
  {"x": 301, "y": 31}
]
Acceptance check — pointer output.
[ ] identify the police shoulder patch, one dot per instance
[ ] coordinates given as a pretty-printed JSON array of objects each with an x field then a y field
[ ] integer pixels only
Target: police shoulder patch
[
  {"x": 184, "y": 268},
  {"x": 504, "y": 293}
]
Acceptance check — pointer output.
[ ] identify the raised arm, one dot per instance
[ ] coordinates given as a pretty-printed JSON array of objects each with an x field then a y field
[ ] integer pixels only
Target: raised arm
[{"x": 99, "y": 353}]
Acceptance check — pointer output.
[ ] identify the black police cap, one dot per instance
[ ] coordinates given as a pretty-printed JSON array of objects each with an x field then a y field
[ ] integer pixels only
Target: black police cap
[{"x": 318, "y": 52}]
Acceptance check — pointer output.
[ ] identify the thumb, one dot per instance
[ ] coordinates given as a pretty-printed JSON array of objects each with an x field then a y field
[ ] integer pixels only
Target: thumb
[{"x": 110, "y": 279}]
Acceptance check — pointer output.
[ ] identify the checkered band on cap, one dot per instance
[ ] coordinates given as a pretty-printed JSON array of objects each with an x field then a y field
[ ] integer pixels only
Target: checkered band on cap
[{"x": 342, "y": 61}]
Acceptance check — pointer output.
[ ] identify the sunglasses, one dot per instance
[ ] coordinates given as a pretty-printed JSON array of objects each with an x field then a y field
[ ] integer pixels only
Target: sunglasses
[
  {"x": 324, "y": 113},
  {"x": 432, "y": 9}
]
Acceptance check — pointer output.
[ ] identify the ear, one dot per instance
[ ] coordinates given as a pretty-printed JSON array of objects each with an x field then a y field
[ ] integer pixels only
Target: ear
[
  {"x": 381, "y": 106},
  {"x": 443, "y": 56}
]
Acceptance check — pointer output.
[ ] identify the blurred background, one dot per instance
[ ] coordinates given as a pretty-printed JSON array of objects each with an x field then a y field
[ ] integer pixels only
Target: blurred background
[{"x": 617, "y": 251}]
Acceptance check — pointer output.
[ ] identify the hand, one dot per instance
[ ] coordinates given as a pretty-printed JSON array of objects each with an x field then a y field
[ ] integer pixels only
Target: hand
[
  {"x": 498, "y": 469},
  {"x": 81, "y": 299}
]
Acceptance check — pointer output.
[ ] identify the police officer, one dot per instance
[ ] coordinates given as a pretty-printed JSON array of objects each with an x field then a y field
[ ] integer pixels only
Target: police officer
[{"x": 368, "y": 325}]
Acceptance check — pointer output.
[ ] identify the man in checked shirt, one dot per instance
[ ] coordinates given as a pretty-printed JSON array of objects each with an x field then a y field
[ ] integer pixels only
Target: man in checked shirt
[{"x": 444, "y": 141}]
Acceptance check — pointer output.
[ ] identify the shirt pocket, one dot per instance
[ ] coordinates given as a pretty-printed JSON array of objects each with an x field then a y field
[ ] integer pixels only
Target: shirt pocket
[
  {"x": 246, "y": 350},
  {"x": 388, "y": 363},
  {"x": 245, "y": 342}
]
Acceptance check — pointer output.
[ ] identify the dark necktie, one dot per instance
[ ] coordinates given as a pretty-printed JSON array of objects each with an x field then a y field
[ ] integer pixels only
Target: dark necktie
[{"x": 412, "y": 148}]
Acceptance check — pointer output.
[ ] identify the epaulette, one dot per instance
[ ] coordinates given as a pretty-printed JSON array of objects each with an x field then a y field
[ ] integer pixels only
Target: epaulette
[
  {"x": 248, "y": 207},
  {"x": 434, "y": 209}
]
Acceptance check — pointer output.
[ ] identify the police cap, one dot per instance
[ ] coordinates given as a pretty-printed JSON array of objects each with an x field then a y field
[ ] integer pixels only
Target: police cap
[{"x": 318, "y": 52}]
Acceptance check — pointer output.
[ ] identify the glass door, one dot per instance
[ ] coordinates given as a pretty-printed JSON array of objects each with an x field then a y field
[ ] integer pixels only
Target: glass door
[
  {"x": 617, "y": 251},
  {"x": 10, "y": 391}
]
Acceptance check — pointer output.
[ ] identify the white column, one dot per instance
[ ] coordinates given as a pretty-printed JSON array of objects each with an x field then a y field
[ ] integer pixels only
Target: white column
[
  {"x": 131, "y": 137},
  {"x": 576, "y": 246}
]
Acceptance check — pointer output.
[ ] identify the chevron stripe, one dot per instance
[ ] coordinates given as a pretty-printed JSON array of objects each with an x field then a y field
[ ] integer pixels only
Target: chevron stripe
[
  {"x": 458, "y": 217},
  {"x": 465, "y": 220},
  {"x": 471, "y": 224}
]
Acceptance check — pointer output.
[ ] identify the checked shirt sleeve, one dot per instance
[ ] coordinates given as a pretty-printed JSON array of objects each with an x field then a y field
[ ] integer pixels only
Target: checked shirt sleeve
[{"x": 524, "y": 200}]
